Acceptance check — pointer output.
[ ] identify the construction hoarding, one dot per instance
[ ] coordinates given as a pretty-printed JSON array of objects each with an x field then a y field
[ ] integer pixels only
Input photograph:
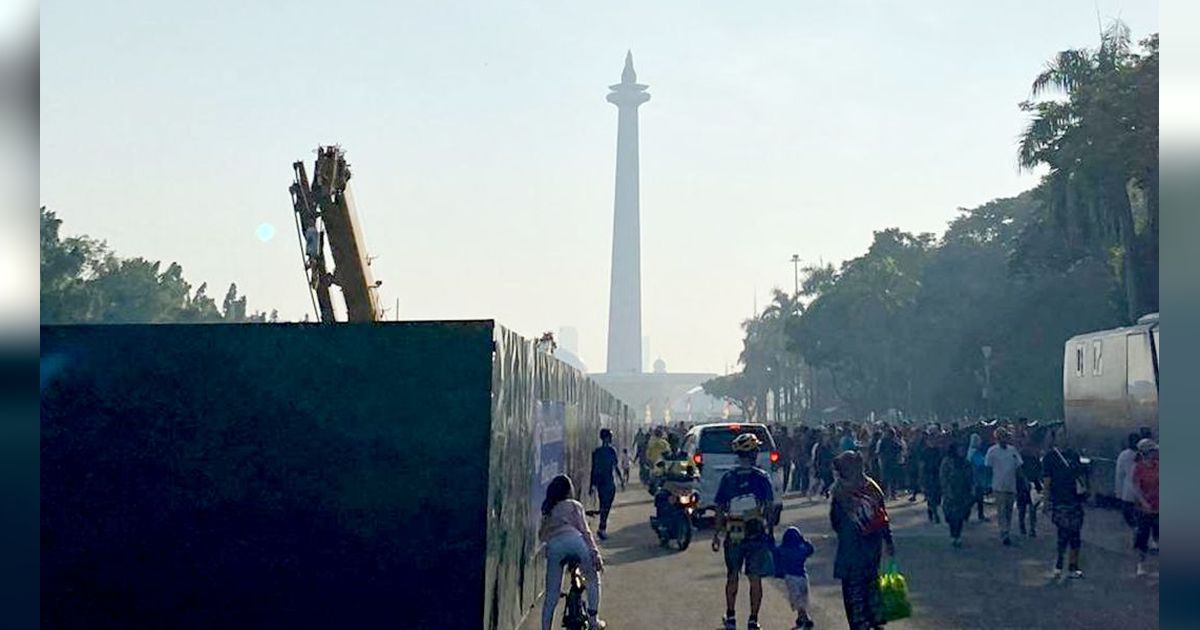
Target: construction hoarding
[{"x": 291, "y": 475}]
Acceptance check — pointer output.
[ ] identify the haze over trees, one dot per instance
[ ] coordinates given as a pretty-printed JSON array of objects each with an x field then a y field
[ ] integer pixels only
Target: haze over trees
[
  {"x": 83, "y": 282},
  {"x": 903, "y": 326}
]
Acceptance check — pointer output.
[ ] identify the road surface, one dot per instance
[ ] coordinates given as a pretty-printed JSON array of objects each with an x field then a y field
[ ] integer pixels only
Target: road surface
[{"x": 982, "y": 585}]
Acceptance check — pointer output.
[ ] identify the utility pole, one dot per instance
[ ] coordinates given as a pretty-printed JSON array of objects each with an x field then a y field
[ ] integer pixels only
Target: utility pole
[{"x": 796, "y": 271}]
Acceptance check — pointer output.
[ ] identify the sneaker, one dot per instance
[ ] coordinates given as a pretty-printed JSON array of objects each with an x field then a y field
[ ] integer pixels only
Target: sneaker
[
  {"x": 729, "y": 623},
  {"x": 1057, "y": 573},
  {"x": 957, "y": 543},
  {"x": 1141, "y": 569},
  {"x": 598, "y": 624},
  {"x": 602, "y": 535},
  {"x": 1075, "y": 574},
  {"x": 753, "y": 625}
]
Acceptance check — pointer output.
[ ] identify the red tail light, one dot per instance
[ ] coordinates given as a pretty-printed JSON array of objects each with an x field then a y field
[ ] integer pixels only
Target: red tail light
[
  {"x": 698, "y": 458},
  {"x": 735, "y": 427},
  {"x": 774, "y": 457}
]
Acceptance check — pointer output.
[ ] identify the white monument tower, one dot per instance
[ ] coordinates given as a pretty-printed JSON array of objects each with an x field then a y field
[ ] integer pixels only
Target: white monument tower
[{"x": 625, "y": 290}]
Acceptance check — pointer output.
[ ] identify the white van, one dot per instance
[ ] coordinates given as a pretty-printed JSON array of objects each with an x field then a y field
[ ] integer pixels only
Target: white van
[{"x": 710, "y": 447}]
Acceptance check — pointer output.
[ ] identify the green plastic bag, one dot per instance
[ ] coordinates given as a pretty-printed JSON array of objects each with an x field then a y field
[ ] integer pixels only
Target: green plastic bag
[{"x": 893, "y": 590}]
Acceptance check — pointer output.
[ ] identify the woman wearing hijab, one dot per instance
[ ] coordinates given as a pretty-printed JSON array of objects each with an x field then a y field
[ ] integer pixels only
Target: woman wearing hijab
[
  {"x": 958, "y": 490},
  {"x": 983, "y": 476},
  {"x": 860, "y": 519}
]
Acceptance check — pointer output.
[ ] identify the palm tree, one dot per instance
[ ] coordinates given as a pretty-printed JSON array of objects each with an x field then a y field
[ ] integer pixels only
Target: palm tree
[{"x": 1086, "y": 140}]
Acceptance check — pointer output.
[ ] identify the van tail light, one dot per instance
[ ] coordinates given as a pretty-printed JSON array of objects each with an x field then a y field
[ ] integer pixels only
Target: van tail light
[
  {"x": 698, "y": 458},
  {"x": 774, "y": 457}
]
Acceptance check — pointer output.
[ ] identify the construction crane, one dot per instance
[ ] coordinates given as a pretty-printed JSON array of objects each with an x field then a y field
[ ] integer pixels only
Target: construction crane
[{"x": 325, "y": 215}]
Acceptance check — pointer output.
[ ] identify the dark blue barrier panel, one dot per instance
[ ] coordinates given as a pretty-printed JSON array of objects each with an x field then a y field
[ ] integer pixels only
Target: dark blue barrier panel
[
  {"x": 294, "y": 476},
  {"x": 224, "y": 476}
]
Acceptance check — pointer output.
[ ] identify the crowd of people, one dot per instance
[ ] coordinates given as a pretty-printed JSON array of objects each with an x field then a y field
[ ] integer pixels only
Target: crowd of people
[{"x": 859, "y": 468}]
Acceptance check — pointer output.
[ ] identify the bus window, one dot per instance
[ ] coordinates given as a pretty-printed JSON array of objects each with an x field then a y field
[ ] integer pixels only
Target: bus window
[
  {"x": 1139, "y": 368},
  {"x": 1079, "y": 360},
  {"x": 1097, "y": 357}
]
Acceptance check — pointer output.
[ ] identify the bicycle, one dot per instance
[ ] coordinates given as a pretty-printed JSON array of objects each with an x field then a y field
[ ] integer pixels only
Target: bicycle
[{"x": 574, "y": 615}]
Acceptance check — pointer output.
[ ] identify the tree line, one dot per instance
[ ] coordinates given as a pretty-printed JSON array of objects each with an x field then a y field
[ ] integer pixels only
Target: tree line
[
  {"x": 84, "y": 282},
  {"x": 973, "y": 322}
]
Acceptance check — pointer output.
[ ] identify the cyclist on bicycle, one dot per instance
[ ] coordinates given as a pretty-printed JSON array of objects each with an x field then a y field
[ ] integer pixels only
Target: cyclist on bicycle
[
  {"x": 742, "y": 500},
  {"x": 565, "y": 532}
]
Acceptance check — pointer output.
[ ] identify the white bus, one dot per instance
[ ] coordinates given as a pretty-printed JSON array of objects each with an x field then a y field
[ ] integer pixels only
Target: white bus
[{"x": 1110, "y": 389}]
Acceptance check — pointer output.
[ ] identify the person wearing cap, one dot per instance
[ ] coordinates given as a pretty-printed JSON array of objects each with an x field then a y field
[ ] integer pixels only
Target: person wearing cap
[
  {"x": 1145, "y": 484},
  {"x": 742, "y": 498},
  {"x": 1003, "y": 460}
]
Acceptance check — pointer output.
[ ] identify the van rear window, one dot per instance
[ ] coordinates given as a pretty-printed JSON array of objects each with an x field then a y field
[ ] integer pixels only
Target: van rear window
[{"x": 720, "y": 440}]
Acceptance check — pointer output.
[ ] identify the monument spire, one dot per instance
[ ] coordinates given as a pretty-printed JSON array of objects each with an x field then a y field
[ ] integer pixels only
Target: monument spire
[{"x": 625, "y": 290}]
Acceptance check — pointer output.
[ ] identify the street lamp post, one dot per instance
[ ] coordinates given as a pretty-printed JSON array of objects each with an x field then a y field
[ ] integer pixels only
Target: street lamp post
[
  {"x": 987, "y": 379},
  {"x": 796, "y": 271}
]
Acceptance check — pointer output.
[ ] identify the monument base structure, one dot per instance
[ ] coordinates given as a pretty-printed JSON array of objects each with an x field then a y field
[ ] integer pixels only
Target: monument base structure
[
  {"x": 290, "y": 475},
  {"x": 668, "y": 397}
]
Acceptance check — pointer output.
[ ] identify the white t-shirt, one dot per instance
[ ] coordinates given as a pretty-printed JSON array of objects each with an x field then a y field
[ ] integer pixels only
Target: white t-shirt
[
  {"x": 1004, "y": 463},
  {"x": 1123, "y": 486}
]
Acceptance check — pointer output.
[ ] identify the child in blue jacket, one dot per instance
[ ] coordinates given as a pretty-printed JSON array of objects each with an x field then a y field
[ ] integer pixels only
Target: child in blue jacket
[{"x": 793, "y": 553}]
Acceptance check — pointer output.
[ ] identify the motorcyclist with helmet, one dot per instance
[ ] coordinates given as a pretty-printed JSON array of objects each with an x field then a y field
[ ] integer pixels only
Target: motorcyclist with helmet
[{"x": 742, "y": 499}]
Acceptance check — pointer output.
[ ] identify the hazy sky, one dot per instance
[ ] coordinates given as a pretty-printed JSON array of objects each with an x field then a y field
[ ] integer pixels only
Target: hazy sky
[{"x": 483, "y": 149}]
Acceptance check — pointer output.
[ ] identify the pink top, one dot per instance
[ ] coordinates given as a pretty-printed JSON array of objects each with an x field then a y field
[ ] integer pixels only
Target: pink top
[{"x": 567, "y": 516}]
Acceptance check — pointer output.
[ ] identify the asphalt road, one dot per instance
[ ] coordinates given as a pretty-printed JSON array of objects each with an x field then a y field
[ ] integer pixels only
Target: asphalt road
[{"x": 982, "y": 585}]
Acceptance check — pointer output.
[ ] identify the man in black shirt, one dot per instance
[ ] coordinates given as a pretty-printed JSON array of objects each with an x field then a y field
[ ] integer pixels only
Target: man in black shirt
[
  {"x": 604, "y": 475},
  {"x": 1062, "y": 473}
]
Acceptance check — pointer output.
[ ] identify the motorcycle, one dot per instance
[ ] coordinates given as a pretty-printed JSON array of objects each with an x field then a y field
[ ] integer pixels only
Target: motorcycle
[{"x": 674, "y": 504}]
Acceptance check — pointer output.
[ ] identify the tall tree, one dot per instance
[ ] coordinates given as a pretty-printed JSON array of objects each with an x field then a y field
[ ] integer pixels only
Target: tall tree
[{"x": 1101, "y": 145}]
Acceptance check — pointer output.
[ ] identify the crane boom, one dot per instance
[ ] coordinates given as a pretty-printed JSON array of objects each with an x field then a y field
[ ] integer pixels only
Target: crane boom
[{"x": 326, "y": 214}]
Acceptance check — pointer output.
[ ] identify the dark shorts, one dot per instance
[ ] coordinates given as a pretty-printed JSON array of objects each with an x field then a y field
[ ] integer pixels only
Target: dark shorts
[{"x": 751, "y": 556}]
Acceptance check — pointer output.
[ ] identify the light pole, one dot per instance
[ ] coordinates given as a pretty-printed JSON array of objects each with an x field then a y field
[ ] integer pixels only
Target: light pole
[
  {"x": 987, "y": 379},
  {"x": 796, "y": 271}
]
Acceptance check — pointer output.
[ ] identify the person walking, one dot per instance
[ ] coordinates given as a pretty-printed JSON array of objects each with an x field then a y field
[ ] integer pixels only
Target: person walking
[
  {"x": 916, "y": 447},
  {"x": 822, "y": 457},
  {"x": 931, "y": 485},
  {"x": 1063, "y": 474},
  {"x": 1123, "y": 481},
  {"x": 801, "y": 460},
  {"x": 784, "y": 446},
  {"x": 958, "y": 490},
  {"x": 742, "y": 498},
  {"x": 626, "y": 464},
  {"x": 564, "y": 531},
  {"x": 1145, "y": 484},
  {"x": 794, "y": 551},
  {"x": 860, "y": 520},
  {"x": 889, "y": 462},
  {"x": 983, "y": 474},
  {"x": 1003, "y": 460},
  {"x": 605, "y": 471},
  {"x": 1029, "y": 478}
]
